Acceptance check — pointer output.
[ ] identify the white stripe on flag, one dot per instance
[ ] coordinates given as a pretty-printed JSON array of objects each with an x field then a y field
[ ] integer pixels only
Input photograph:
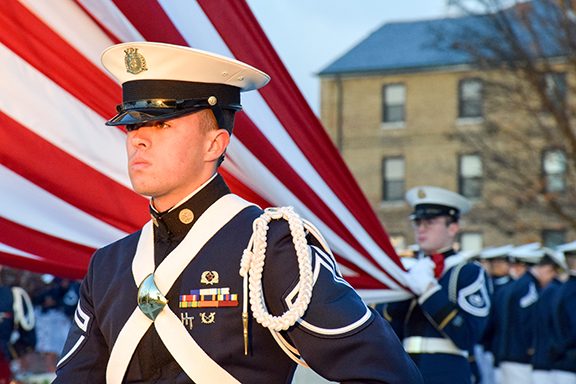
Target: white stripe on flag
[
  {"x": 26, "y": 204},
  {"x": 71, "y": 23},
  {"x": 60, "y": 118},
  {"x": 17, "y": 252}
]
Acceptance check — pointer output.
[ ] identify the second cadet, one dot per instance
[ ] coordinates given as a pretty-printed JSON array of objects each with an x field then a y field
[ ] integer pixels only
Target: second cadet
[{"x": 442, "y": 323}]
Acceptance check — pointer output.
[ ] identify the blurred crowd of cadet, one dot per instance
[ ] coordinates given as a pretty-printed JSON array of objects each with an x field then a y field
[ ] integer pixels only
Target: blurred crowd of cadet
[
  {"x": 532, "y": 322},
  {"x": 36, "y": 311}
]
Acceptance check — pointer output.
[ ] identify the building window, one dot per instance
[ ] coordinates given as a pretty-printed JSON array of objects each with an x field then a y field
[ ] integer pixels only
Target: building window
[
  {"x": 470, "y": 98},
  {"x": 552, "y": 238},
  {"x": 393, "y": 179},
  {"x": 470, "y": 176},
  {"x": 471, "y": 241},
  {"x": 554, "y": 170},
  {"x": 393, "y": 100},
  {"x": 555, "y": 85}
]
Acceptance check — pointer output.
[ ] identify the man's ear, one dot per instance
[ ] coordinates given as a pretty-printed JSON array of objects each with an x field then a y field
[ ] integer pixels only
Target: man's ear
[
  {"x": 453, "y": 228},
  {"x": 219, "y": 140}
]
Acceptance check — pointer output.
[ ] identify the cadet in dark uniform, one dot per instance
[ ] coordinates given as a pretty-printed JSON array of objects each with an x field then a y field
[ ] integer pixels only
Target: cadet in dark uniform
[
  {"x": 497, "y": 260},
  {"x": 16, "y": 315},
  {"x": 543, "y": 333},
  {"x": 441, "y": 325},
  {"x": 520, "y": 319},
  {"x": 212, "y": 289},
  {"x": 563, "y": 349}
]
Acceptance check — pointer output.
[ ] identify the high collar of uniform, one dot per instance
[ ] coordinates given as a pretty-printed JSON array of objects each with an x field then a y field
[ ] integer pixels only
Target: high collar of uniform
[
  {"x": 175, "y": 223},
  {"x": 501, "y": 280},
  {"x": 446, "y": 253}
]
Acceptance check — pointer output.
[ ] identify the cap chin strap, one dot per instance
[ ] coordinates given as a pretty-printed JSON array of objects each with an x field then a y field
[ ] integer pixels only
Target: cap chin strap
[{"x": 252, "y": 266}]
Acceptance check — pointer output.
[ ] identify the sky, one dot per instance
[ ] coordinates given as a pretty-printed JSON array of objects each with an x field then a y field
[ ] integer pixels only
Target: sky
[{"x": 308, "y": 35}]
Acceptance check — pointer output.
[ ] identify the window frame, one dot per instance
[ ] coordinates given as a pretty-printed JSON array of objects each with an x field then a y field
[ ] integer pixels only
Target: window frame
[
  {"x": 462, "y": 178},
  {"x": 385, "y": 118},
  {"x": 385, "y": 191},
  {"x": 463, "y": 104}
]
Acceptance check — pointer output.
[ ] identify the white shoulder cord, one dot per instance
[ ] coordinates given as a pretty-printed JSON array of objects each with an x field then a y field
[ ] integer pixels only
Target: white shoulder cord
[
  {"x": 252, "y": 266},
  {"x": 23, "y": 318}
]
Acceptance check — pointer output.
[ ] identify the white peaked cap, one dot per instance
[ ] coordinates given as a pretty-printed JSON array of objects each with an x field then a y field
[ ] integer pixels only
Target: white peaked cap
[
  {"x": 493, "y": 252},
  {"x": 160, "y": 61}
]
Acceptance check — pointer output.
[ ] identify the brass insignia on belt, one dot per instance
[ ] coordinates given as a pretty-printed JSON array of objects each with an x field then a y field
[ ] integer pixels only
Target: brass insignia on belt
[
  {"x": 208, "y": 318},
  {"x": 186, "y": 320},
  {"x": 421, "y": 193},
  {"x": 135, "y": 62},
  {"x": 209, "y": 278},
  {"x": 186, "y": 216}
]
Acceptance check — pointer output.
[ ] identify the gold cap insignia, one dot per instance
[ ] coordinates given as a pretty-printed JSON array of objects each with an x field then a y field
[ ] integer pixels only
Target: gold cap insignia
[
  {"x": 186, "y": 216},
  {"x": 421, "y": 194},
  {"x": 135, "y": 62},
  {"x": 212, "y": 100},
  {"x": 209, "y": 278}
]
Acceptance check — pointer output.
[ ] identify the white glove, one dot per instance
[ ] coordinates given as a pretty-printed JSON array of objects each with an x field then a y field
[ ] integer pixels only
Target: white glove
[{"x": 421, "y": 276}]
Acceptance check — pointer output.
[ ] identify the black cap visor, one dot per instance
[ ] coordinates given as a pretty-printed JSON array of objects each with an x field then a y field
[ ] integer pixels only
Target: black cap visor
[
  {"x": 429, "y": 211},
  {"x": 144, "y": 111}
]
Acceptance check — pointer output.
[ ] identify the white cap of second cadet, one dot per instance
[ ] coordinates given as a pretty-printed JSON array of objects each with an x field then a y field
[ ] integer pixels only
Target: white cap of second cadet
[
  {"x": 428, "y": 202},
  {"x": 496, "y": 252},
  {"x": 530, "y": 253},
  {"x": 567, "y": 247}
]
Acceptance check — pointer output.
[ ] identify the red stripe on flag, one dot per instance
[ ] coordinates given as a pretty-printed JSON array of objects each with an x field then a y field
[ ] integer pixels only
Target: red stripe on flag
[
  {"x": 54, "y": 250},
  {"x": 27, "y": 36},
  {"x": 149, "y": 18},
  {"x": 42, "y": 266},
  {"x": 64, "y": 176}
]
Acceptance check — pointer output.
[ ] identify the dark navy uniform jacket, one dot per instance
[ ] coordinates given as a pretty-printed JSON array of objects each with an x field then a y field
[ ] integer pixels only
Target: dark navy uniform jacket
[
  {"x": 519, "y": 319},
  {"x": 544, "y": 326},
  {"x": 563, "y": 349},
  {"x": 368, "y": 352},
  {"x": 491, "y": 337},
  {"x": 457, "y": 312},
  {"x": 6, "y": 320}
]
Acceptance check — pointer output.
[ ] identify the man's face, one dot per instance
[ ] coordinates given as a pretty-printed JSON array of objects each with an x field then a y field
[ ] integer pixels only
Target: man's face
[
  {"x": 499, "y": 267},
  {"x": 434, "y": 234},
  {"x": 168, "y": 160},
  {"x": 517, "y": 269}
]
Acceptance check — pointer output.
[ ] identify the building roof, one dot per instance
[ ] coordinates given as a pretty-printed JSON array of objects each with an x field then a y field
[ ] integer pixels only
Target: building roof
[
  {"x": 426, "y": 44},
  {"x": 402, "y": 46}
]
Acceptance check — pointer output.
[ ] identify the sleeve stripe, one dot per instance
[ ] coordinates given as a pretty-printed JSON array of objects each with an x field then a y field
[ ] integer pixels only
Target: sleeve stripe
[
  {"x": 81, "y": 318},
  {"x": 72, "y": 350}
]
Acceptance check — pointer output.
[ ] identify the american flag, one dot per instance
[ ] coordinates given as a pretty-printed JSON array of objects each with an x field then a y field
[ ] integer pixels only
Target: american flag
[{"x": 64, "y": 186}]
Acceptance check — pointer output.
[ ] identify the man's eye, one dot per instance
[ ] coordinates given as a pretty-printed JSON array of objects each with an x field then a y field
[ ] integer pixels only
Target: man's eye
[
  {"x": 161, "y": 124},
  {"x": 132, "y": 127}
]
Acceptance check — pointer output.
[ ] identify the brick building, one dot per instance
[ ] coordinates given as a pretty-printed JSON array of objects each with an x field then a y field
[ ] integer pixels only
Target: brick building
[{"x": 391, "y": 104}]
